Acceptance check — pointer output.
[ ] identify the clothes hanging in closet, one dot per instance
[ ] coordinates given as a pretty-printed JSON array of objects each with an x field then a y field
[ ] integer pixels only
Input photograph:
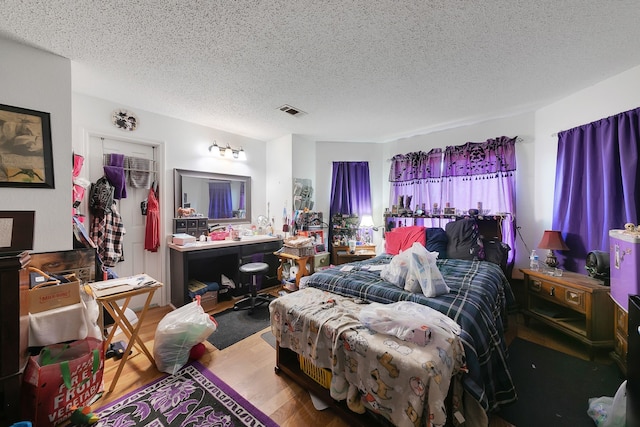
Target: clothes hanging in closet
[{"x": 152, "y": 231}]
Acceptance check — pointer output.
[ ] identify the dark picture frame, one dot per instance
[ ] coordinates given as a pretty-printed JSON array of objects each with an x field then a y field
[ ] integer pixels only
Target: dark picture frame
[{"x": 26, "y": 153}]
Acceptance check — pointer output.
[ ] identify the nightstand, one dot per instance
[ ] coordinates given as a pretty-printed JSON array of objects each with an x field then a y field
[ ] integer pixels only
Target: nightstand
[
  {"x": 341, "y": 254},
  {"x": 575, "y": 304},
  {"x": 621, "y": 321}
]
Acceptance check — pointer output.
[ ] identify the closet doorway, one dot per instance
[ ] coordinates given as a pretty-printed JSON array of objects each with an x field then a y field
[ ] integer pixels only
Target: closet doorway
[{"x": 135, "y": 258}]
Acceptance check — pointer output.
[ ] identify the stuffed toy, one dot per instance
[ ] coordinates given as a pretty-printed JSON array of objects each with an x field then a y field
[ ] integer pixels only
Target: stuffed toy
[{"x": 83, "y": 416}]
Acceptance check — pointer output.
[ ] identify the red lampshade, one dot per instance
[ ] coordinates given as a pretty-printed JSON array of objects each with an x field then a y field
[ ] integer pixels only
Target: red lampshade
[{"x": 553, "y": 240}]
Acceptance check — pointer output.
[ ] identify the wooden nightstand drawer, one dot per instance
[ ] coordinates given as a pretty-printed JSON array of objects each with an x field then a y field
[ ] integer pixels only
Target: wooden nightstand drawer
[
  {"x": 558, "y": 294},
  {"x": 622, "y": 324},
  {"x": 620, "y": 346}
]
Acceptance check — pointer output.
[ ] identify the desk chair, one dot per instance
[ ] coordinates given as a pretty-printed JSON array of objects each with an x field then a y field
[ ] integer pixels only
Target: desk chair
[{"x": 249, "y": 303}]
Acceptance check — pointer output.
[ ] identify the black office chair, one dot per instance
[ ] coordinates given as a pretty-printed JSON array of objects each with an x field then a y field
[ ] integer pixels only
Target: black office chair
[{"x": 254, "y": 300}]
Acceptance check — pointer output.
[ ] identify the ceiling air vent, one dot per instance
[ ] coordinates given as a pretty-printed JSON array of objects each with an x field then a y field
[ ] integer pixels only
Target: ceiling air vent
[{"x": 291, "y": 110}]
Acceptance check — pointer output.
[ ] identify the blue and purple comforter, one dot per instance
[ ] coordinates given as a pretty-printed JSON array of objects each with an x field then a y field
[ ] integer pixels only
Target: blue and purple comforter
[{"x": 478, "y": 300}]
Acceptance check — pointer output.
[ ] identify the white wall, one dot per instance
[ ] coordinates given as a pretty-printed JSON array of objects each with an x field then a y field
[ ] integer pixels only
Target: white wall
[
  {"x": 607, "y": 98},
  {"x": 183, "y": 145},
  {"x": 537, "y": 152},
  {"x": 41, "y": 81},
  {"x": 279, "y": 179}
]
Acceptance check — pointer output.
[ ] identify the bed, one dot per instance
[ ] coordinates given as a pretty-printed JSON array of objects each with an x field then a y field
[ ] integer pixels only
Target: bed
[{"x": 478, "y": 301}]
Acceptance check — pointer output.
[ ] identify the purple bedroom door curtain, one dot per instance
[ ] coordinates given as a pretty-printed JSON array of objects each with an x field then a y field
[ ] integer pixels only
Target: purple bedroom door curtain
[
  {"x": 597, "y": 184},
  {"x": 461, "y": 176}
]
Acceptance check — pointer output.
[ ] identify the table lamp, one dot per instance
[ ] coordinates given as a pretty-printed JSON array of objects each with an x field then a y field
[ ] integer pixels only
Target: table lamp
[
  {"x": 367, "y": 224},
  {"x": 552, "y": 241}
]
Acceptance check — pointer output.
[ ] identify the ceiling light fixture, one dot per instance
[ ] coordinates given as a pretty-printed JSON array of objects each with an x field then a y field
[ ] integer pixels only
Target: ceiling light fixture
[{"x": 227, "y": 152}]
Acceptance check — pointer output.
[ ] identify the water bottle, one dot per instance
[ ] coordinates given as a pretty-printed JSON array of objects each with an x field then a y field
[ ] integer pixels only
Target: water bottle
[{"x": 533, "y": 261}]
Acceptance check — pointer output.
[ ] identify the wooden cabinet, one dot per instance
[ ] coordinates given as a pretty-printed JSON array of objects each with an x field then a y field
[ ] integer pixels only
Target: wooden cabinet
[
  {"x": 575, "y": 304},
  {"x": 14, "y": 339},
  {"x": 300, "y": 261},
  {"x": 341, "y": 255},
  {"x": 621, "y": 336}
]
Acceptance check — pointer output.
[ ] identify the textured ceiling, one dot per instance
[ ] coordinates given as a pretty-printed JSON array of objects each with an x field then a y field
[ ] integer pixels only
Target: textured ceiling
[{"x": 361, "y": 70}]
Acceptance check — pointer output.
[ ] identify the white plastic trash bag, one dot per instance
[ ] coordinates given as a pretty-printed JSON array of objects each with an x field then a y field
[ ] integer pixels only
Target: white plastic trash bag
[
  {"x": 610, "y": 412},
  {"x": 408, "y": 321},
  {"x": 415, "y": 270},
  {"x": 177, "y": 333}
]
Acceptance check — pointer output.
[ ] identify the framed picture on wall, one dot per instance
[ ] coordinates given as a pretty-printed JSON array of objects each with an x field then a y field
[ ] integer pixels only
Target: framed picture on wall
[{"x": 26, "y": 155}]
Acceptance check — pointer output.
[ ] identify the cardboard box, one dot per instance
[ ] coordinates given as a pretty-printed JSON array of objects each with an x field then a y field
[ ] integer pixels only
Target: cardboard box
[
  {"x": 48, "y": 297},
  {"x": 183, "y": 239},
  {"x": 209, "y": 300}
]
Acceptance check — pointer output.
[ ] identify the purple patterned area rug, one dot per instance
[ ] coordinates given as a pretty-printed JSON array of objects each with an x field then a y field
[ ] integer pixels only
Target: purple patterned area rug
[{"x": 194, "y": 396}]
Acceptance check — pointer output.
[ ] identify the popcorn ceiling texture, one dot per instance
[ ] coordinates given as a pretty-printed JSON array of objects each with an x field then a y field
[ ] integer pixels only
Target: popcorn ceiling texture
[{"x": 362, "y": 70}]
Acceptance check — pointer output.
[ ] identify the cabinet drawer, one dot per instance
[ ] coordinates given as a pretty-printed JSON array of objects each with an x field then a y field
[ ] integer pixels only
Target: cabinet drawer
[
  {"x": 620, "y": 345},
  {"x": 622, "y": 324},
  {"x": 572, "y": 298}
]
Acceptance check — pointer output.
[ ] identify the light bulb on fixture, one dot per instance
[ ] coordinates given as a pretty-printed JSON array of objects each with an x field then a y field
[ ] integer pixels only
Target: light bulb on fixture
[{"x": 227, "y": 152}]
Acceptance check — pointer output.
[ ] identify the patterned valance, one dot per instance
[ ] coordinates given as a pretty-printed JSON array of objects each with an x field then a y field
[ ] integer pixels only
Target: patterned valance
[
  {"x": 480, "y": 158},
  {"x": 416, "y": 166}
]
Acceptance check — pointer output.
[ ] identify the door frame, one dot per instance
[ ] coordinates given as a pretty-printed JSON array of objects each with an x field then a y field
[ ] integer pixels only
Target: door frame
[{"x": 159, "y": 147}]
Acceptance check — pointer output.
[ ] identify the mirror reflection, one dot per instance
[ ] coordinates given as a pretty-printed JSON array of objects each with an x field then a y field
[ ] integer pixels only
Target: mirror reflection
[{"x": 219, "y": 197}]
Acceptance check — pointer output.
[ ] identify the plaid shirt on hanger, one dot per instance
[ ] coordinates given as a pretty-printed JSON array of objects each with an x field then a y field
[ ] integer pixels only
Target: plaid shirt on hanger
[{"x": 107, "y": 232}]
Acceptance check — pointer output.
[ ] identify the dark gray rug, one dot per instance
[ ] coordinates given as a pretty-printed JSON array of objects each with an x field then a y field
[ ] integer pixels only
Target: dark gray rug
[
  {"x": 270, "y": 338},
  {"x": 554, "y": 388},
  {"x": 234, "y": 326}
]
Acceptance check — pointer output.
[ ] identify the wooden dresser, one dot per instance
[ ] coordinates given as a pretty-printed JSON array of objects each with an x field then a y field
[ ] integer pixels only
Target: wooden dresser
[
  {"x": 14, "y": 336},
  {"x": 341, "y": 255},
  {"x": 621, "y": 336},
  {"x": 575, "y": 304}
]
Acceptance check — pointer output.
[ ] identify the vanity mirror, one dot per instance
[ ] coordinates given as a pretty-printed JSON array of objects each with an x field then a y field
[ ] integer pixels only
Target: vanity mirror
[{"x": 222, "y": 198}]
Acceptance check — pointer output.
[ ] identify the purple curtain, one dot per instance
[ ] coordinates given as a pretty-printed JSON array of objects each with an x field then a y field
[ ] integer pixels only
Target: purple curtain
[
  {"x": 597, "y": 184},
  {"x": 350, "y": 188},
  {"x": 483, "y": 172},
  {"x": 416, "y": 175},
  {"x": 220, "y": 205}
]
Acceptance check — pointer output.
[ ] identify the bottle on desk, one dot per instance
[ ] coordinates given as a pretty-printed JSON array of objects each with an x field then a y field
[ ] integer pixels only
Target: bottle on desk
[{"x": 534, "y": 263}]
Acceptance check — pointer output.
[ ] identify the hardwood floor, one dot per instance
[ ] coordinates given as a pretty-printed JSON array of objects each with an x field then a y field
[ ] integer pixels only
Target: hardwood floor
[{"x": 248, "y": 367}]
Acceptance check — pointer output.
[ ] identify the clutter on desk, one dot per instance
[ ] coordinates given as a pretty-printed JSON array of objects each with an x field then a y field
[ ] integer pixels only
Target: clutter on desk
[{"x": 124, "y": 284}]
